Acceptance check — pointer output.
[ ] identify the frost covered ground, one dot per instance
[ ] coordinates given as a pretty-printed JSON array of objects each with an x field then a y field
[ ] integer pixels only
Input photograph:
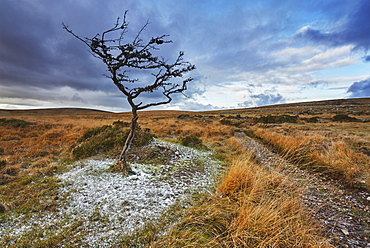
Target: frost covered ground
[{"x": 96, "y": 207}]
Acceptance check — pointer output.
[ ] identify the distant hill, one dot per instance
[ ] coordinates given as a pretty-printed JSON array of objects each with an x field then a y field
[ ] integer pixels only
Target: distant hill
[
  {"x": 353, "y": 105},
  {"x": 336, "y": 105},
  {"x": 54, "y": 111}
]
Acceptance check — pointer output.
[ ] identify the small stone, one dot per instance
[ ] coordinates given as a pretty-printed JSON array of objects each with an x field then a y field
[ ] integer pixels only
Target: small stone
[
  {"x": 368, "y": 198},
  {"x": 345, "y": 231},
  {"x": 2, "y": 208}
]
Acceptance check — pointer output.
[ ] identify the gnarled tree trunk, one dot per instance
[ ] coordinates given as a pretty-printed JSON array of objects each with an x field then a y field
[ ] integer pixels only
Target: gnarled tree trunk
[{"x": 122, "y": 164}]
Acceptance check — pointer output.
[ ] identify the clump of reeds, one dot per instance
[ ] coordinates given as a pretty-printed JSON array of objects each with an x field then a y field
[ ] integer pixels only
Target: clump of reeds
[
  {"x": 330, "y": 155},
  {"x": 253, "y": 207}
]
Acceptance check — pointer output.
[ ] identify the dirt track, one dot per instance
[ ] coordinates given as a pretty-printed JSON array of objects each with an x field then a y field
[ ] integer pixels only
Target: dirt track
[{"x": 343, "y": 214}]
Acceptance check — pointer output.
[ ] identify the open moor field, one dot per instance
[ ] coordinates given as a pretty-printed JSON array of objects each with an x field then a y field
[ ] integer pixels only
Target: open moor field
[{"x": 252, "y": 206}]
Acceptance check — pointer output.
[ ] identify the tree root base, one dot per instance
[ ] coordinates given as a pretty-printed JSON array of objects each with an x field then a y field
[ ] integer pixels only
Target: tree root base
[{"x": 123, "y": 167}]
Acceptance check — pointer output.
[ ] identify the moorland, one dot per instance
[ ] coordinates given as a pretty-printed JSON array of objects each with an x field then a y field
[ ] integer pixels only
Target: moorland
[{"x": 293, "y": 175}]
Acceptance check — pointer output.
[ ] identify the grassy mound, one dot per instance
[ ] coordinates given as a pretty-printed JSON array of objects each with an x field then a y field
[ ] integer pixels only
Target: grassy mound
[
  {"x": 192, "y": 141},
  {"x": 14, "y": 123},
  {"x": 107, "y": 139}
]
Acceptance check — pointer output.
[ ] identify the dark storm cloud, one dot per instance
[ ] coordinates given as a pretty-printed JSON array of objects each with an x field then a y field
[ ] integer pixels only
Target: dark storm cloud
[
  {"x": 332, "y": 39},
  {"x": 35, "y": 52},
  {"x": 315, "y": 85},
  {"x": 263, "y": 99},
  {"x": 366, "y": 58},
  {"x": 356, "y": 30},
  {"x": 234, "y": 41},
  {"x": 246, "y": 104},
  {"x": 266, "y": 98},
  {"x": 77, "y": 98},
  {"x": 226, "y": 40},
  {"x": 360, "y": 89}
]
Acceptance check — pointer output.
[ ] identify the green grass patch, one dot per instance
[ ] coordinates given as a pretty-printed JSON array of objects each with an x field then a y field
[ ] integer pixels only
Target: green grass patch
[
  {"x": 345, "y": 118},
  {"x": 14, "y": 123},
  {"x": 278, "y": 119},
  {"x": 107, "y": 139},
  {"x": 192, "y": 141}
]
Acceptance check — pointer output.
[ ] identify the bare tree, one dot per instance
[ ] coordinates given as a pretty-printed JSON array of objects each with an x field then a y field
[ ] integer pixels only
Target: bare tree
[{"x": 120, "y": 57}]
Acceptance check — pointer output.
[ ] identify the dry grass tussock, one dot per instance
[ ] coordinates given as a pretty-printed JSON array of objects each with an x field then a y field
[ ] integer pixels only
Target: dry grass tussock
[
  {"x": 210, "y": 132},
  {"x": 29, "y": 156},
  {"x": 337, "y": 153},
  {"x": 24, "y": 149},
  {"x": 253, "y": 207}
]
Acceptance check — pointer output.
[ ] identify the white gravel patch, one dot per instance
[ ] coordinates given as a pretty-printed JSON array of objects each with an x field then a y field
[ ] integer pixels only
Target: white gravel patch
[{"x": 108, "y": 205}]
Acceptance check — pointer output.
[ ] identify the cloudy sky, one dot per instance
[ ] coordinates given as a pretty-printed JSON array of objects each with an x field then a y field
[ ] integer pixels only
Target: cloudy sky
[{"x": 247, "y": 52}]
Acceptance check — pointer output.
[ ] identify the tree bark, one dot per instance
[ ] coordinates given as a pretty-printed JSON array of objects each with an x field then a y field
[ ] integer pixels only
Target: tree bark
[{"x": 122, "y": 165}]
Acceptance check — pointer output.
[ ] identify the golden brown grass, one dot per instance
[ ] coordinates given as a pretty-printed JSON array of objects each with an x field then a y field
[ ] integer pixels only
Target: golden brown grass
[
  {"x": 36, "y": 146},
  {"x": 29, "y": 155},
  {"x": 338, "y": 153},
  {"x": 210, "y": 131},
  {"x": 34, "y": 151},
  {"x": 253, "y": 207}
]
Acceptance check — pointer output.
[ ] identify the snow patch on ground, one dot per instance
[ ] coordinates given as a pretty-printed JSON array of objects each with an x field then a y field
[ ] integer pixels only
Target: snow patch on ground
[{"x": 108, "y": 205}]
